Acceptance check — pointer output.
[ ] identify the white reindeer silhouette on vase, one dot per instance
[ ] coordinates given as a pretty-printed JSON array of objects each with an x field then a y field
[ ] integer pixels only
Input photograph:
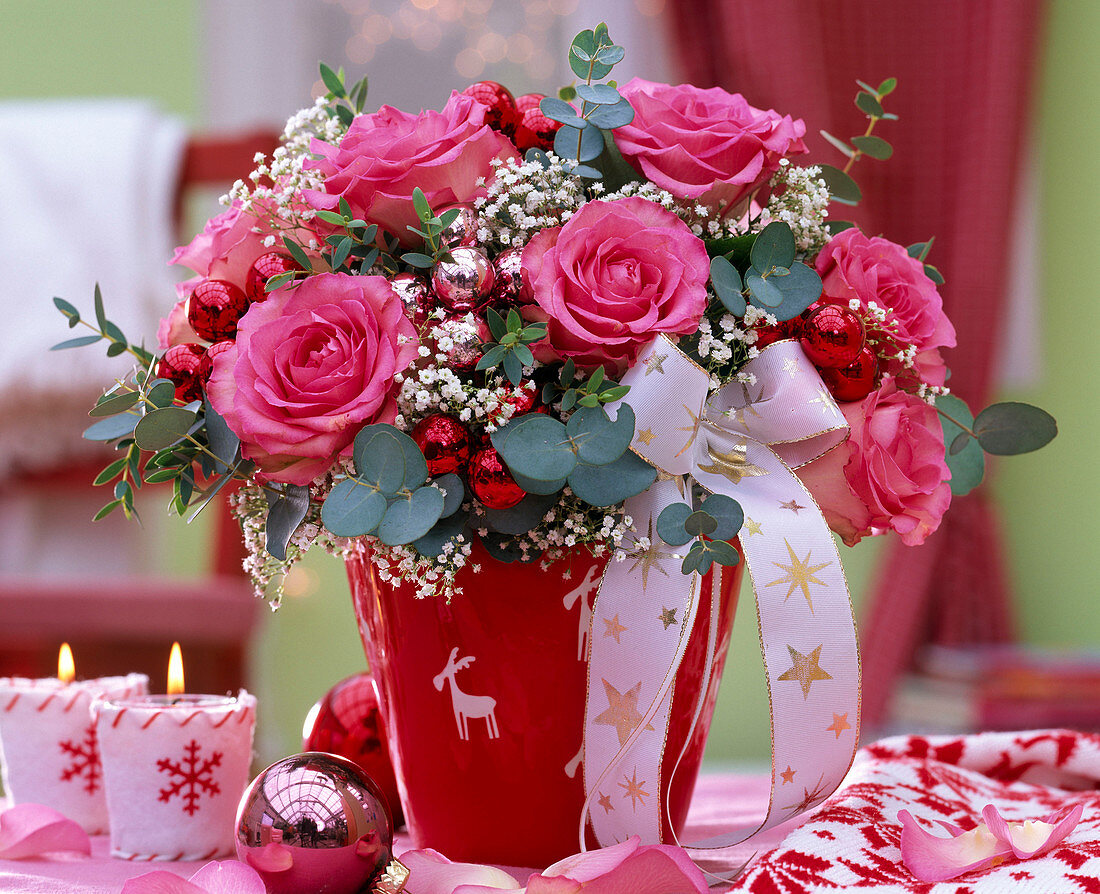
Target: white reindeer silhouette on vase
[
  {"x": 466, "y": 705},
  {"x": 581, "y": 592}
]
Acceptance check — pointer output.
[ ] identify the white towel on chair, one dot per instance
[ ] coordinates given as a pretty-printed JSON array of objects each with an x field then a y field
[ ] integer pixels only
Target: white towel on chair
[{"x": 86, "y": 195}]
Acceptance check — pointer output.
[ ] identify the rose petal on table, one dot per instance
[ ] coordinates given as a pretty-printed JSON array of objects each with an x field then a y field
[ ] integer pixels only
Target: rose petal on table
[
  {"x": 934, "y": 859},
  {"x": 229, "y": 877},
  {"x": 627, "y": 868},
  {"x": 1032, "y": 837},
  {"x": 160, "y": 882},
  {"x": 435, "y": 874},
  {"x": 30, "y": 830}
]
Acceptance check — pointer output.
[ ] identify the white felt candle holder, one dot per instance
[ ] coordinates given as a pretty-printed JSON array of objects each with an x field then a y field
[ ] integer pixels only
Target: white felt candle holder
[
  {"x": 175, "y": 768},
  {"x": 48, "y": 744}
]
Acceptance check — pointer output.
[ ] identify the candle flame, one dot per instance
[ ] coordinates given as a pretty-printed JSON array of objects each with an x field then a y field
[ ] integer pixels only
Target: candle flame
[
  {"x": 175, "y": 671},
  {"x": 66, "y": 668}
]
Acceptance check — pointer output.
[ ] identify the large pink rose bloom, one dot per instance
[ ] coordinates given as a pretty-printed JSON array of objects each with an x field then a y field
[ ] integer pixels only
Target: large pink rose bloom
[
  {"x": 310, "y": 367},
  {"x": 890, "y": 473},
  {"x": 615, "y": 275},
  {"x": 875, "y": 269},
  {"x": 705, "y": 144},
  {"x": 383, "y": 157}
]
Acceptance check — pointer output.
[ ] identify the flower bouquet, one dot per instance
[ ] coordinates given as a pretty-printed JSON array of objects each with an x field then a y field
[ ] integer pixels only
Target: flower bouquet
[{"x": 510, "y": 353}]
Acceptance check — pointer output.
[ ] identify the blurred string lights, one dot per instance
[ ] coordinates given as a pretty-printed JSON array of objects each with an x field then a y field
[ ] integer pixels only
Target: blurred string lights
[{"x": 518, "y": 35}]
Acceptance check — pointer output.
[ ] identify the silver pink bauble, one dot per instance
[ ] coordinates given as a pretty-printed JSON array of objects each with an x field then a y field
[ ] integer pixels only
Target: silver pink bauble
[
  {"x": 314, "y": 822},
  {"x": 509, "y": 286},
  {"x": 463, "y": 229},
  {"x": 465, "y": 337},
  {"x": 414, "y": 295},
  {"x": 464, "y": 283}
]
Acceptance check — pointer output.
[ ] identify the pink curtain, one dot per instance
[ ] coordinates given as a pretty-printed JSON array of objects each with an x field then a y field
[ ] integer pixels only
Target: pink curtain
[{"x": 965, "y": 72}]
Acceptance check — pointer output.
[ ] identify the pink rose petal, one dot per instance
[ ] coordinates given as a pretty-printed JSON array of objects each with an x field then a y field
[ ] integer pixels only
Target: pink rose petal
[
  {"x": 435, "y": 874},
  {"x": 160, "y": 882},
  {"x": 30, "y": 830},
  {"x": 216, "y": 877},
  {"x": 1031, "y": 838},
  {"x": 934, "y": 859}
]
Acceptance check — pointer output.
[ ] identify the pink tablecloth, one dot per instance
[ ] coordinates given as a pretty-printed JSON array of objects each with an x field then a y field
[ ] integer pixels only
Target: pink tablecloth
[{"x": 721, "y": 801}]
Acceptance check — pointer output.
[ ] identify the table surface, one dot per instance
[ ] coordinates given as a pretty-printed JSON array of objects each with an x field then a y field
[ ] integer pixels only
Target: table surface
[{"x": 722, "y": 801}]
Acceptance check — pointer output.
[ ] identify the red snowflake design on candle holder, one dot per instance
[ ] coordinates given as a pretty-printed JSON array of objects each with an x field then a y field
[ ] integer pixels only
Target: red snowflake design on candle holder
[
  {"x": 84, "y": 763},
  {"x": 192, "y": 776}
]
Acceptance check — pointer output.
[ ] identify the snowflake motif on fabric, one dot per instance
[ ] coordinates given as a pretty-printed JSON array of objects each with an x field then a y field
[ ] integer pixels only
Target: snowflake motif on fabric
[
  {"x": 192, "y": 776},
  {"x": 84, "y": 763}
]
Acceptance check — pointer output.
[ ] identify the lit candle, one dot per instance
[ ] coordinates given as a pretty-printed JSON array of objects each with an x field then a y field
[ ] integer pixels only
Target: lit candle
[
  {"x": 48, "y": 745},
  {"x": 175, "y": 767}
]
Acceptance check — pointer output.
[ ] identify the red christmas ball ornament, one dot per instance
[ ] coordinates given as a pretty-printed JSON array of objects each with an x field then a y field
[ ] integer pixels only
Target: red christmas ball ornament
[
  {"x": 832, "y": 336},
  {"x": 491, "y": 482},
  {"x": 348, "y": 721},
  {"x": 466, "y": 282},
  {"x": 501, "y": 113},
  {"x": 445, "y": 443},
  {"x": 528, "y": 101},
  {"x": 214, "y": 308},
  {"x": 219, "y": 347},
  {"x": 535, "y": 130},
  {"x": 767, "y": 335},
  {"x": 853, "y": 382},
  {"x": 274, "y": 263},
  {"x": 187, "y": 366},
  {"x": 509, "y": 286}
]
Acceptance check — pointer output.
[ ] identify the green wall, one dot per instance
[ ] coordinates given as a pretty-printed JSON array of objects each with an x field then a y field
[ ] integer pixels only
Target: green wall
[{"x": 134, "y": 47}]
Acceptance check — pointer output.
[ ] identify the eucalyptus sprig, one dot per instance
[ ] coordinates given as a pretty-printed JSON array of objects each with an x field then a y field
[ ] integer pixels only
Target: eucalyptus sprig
[
  {"x": 869, "y": 101},
  {"x": 509, "y": 344},
  {"x": 105, "y": 329},
  {"x": 710, "y": 524},
  {"x": 585, "y": 134},
  {"x": 597, "y": 389},
  {"x": 344, "y": 102}
]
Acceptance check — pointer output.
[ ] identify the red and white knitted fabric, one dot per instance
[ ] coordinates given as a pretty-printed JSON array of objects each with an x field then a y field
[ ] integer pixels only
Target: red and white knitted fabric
[{"x": 852, "y": 840}]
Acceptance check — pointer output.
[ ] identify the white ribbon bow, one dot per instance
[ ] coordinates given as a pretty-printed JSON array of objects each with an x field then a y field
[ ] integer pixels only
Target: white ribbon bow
[{"x": 742, "y": 441}]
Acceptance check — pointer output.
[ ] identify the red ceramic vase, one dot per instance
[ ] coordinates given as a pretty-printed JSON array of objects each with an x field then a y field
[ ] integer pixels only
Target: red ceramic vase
[{"x": 484, "y": 697}]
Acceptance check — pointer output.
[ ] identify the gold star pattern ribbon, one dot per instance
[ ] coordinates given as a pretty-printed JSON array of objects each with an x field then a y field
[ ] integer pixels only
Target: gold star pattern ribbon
[{"x": 742, "y": 441}]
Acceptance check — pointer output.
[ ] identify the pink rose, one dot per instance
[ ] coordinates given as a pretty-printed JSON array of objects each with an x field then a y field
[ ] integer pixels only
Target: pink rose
[
  {"x": 383, "y": 157},
  {"x": 310, "y": 367},
  {"x": 890, "y": 473},
  {"x": 705, "y": 144},
  {"x": 175, "y": 329},
  {"x": 227, "y": 246},
  {"x": 876, "y": 269},
  {"x": 615, "y": 275}
]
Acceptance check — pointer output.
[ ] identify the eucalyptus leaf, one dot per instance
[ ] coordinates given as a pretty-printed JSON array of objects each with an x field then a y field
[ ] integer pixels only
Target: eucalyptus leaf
[
  {"x": 117, "y": 403},
  {"x": 533, "y": 486},
  {"x": 1010, "y": 428},
  {"x": 800, "y": 287},
  {"x": 100, "y": 314},
  {"x": 522, "y": 517},
  {"x": 284, "y": 514},
  {"x": 695, "y": 560},
  {"x": 444, "y": 531},
  {"x": 762, "y": 291},
  {"x": 452, "y": 484},
  {"x": 875, "y": 147},
  {"x": 536, "y": 446},
  {"x": 332, "y": 82},
  {"x": 967, "y": 466},
  {"x": 606, "y": 485},
  {"x": 110, "y": 472},
  {"x": 774, "y": 247},
  {"x": 353, "y": 509},
  {"x": 598, "y": 94},
  {"x": 590, "y": 143},
  {"x": 410, "y": 518},
  {"x": 163, "y": 427},
  {"x": 161, "y": 393},
  {"x": 727, "y": 285},
  {"x": 611, "y": 116},
  {"x": 560, "y": 110},
  {"x": 388, "y": 459},
  {"x": 722, "y": 552},
  {"x": 842, "y": 188},
  {"x": 66, "y": 308},
  {"x": 220, "y": 438},
  {"x": 700, "y": 522},
  {"x": 78, "y": 342},
  {"x": 838, "y": 143},
  {"x": 869, "y": 105},
  {"x": 727, "y": 513},
  {"x": 670, "y": 524},
  {"x": 598, "y": 439}
]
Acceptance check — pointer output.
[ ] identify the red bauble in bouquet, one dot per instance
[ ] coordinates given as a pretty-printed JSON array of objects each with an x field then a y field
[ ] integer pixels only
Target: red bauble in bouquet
[
  {"x": 501, "y": 113},
  {"x": 509, "y": 286},
  {"x": 188, "y": 367},
  {"x": 535, "y": 130},
  {"x": 853, "y": 382},
  {"x": 214, "y": 308},
  {"x": 832, "y": 336},
  {"x": 347, "y": 721},
  {"x": 274, "y": 263},
  {"x": 445, "y": 443},
  {"x": 491, "y": 482}
]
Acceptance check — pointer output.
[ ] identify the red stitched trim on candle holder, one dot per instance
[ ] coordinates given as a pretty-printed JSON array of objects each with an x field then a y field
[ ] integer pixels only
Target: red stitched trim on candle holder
[
  {"x": 72, "y": 702},
  {"x": 11, "y": 704},
  {"x": 152, "y": 717},
  {"x": 49, "y": 698},
  {"x": 118, "y": 717}
]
